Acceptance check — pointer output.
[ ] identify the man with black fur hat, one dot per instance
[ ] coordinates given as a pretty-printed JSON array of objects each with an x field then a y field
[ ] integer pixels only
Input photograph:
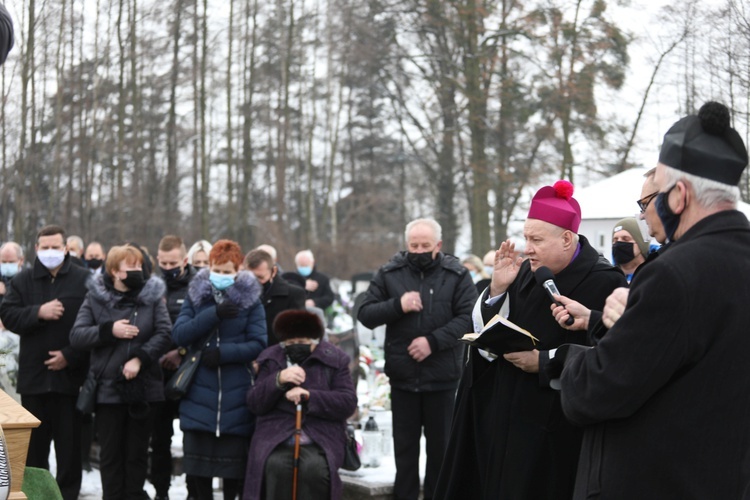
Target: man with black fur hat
[{"x": 665, "y": 394}]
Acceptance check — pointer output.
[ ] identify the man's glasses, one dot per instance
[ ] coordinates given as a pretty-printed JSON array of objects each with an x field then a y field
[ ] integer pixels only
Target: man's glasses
[{"x": 643, "y": 202}]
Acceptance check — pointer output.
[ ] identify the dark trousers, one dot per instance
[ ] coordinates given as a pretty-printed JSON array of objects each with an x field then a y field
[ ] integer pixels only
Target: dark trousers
[
  {"x": 61, "y": 423},
  {"x": 202, "y": 487},
  {"x": 161, "y": 447},
  {"x": 313, "y": 474},
  {"x": 413, "y": 411},
  {"x": 123, "y": 454}
]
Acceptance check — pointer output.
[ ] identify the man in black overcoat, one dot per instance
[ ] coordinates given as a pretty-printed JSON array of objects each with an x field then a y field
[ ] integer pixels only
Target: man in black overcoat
[
  {"x": 41, "y": 305},
  {"x": 171, "y": 257},
  {"x": 509, "y": 438},
  {"x": 278, "y": 294},
  {"x": 665, "y": 395}
]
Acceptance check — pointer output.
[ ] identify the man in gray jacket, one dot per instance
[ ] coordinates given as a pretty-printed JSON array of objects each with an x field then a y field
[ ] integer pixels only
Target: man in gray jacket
[{"x": 425, "y": 299}]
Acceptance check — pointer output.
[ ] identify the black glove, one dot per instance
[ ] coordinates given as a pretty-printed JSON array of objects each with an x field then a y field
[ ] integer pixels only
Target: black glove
[
  {"x": 210, "y": 357},
  {"x": 227, "y": 309}
]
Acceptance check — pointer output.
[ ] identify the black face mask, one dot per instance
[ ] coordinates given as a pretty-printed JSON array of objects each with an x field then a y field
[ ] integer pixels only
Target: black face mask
[
  {"x": 267, "y": 286},
  {"x": 622, "y": 252},
  {"x": 297, "y": 353},
  {"x": 134, "y": 280},
  {"x": 669, "y": 219},
  {"x": 421, "y": 261},
  {"x": 94, "y": 263},
  {"x": 170, "y": 274}
]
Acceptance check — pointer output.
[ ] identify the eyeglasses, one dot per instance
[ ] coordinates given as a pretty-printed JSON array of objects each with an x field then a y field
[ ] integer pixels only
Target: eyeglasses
[{"x": 643, "y": 202}]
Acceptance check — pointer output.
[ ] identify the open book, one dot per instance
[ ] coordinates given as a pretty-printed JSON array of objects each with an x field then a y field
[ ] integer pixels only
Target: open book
[{"x": 500, "y": 336}]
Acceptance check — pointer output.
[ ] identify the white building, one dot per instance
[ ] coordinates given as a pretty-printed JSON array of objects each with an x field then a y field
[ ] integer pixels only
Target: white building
[{"x": 607, "y": 201}]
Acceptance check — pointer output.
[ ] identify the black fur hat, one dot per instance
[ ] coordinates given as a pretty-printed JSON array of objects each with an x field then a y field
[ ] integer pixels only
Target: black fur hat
[
  {"x": 298, "y": 324},
  {"x": 706, "y": 145}
]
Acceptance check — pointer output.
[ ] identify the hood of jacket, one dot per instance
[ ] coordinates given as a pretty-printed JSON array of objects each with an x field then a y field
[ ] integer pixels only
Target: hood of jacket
[
  {"x": 151, "y": 292},
  {"x": 244, "y": 293}
]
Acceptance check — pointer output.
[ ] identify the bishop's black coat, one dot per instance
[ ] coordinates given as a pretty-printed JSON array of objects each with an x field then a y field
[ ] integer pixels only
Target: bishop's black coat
[{"x": 509, "y": 437}]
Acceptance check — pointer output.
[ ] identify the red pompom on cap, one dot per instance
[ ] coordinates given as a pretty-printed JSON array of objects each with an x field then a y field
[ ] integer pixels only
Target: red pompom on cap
[{"x": 563, "y": 189}]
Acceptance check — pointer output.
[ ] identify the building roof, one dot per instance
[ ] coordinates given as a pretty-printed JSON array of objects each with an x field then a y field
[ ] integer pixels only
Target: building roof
[{"x": 615, "y": 197}]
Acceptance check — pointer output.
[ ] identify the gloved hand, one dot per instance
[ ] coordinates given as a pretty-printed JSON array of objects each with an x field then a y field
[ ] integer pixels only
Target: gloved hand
[
  {"x": 210, "y": 357},
  {"x": 227, "y": 309}
]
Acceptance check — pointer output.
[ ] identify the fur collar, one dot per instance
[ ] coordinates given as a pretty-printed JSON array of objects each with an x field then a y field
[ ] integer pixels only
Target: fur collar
[
  {"x": 245, "y": 292},
  {"x": 151, "y": 292}
]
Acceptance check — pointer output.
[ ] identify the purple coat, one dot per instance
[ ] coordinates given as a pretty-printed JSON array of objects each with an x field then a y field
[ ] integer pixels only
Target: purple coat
[{"x": 332, "y": 400}]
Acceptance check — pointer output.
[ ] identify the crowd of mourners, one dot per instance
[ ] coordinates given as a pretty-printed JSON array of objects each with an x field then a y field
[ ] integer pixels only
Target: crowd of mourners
[{"x": 630, "y": 381}]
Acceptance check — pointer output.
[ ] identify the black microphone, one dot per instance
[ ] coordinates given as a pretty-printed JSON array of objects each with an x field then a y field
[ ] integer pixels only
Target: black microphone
[{"x": 544, "y": 277}]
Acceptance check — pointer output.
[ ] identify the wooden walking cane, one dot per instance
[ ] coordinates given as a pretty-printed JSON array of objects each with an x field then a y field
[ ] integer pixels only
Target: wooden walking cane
[{"x": 297, "y": 435}]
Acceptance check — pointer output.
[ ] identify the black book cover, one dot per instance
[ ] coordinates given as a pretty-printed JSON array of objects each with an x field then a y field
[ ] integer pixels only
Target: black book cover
[{"x": 500, "y": 336}]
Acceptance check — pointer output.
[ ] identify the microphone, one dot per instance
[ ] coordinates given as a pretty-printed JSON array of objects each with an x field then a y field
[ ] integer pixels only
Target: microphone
[{"x": 544, "y": 277}]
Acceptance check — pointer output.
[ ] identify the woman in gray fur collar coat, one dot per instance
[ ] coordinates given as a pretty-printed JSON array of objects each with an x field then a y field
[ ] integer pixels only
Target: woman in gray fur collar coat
[{"x": 125, "y": 324}]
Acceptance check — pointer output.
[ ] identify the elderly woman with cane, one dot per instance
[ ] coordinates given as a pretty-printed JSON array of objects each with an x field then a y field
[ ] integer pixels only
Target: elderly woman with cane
[{"x": 307, "y": 373}]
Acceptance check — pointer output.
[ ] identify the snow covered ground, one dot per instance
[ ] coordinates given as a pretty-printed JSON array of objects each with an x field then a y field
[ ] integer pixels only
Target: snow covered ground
[{"x": 91, "y": 485}]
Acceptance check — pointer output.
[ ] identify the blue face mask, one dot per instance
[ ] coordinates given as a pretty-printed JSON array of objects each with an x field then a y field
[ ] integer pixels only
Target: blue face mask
[
  {"x": 9, "y": 269},
  {"x": 304, "y": 270},
  {"x": 669, "y": 219},
  {"x": 221, "y": 281}
]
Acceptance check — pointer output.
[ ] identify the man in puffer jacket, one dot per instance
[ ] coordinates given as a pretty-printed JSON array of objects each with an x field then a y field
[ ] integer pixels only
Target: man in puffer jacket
[{"x": 425, "y": 299}]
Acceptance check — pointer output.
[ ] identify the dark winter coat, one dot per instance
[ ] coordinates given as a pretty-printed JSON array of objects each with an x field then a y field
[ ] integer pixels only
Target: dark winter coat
[
  {"x": 509, "y": 438},
  {"x": 177, "y": 290},
  {"x": 332, "y": 401},
  {"x": 280, "y": 296},
  {"x": 665, "y": 395},
  {"x": 93, "y": 332},
  {"x": 19, "y": 311},
  {"x": 448, "y": 295},
  {"x": 323, "y": 295},
  {"x": 215, "y": 402}
]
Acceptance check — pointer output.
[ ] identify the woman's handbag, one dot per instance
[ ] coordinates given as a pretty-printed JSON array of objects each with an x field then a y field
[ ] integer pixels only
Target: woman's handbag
[
  {"x": 351, "y": 455},
  {"x": 180, "y": 382},
  {"x": 86, "y": 401},
  {"x": 87, "y": 397}
]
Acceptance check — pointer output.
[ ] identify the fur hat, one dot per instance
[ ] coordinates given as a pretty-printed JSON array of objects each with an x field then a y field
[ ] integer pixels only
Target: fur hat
[
  {"x": 706, "y": 145},
  {"x": 298, "y": 324},
  {"x": 630, "y": 225},
  {"x": 556, "y": 205}
]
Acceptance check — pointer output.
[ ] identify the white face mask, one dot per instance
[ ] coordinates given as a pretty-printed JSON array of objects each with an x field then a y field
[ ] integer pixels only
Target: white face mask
[{"x": 51, "y": 258}]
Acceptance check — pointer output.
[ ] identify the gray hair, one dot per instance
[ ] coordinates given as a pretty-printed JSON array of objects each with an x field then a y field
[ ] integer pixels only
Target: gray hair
[
  {"x": 76, "y": 241},
  {"x": 15, "y": 246},
  {"x": 268, "y": 249},
  {"x": 436, "y": 229},
  {"x": 304, "y": 253},
  {"x": 708, "y": 193}
]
